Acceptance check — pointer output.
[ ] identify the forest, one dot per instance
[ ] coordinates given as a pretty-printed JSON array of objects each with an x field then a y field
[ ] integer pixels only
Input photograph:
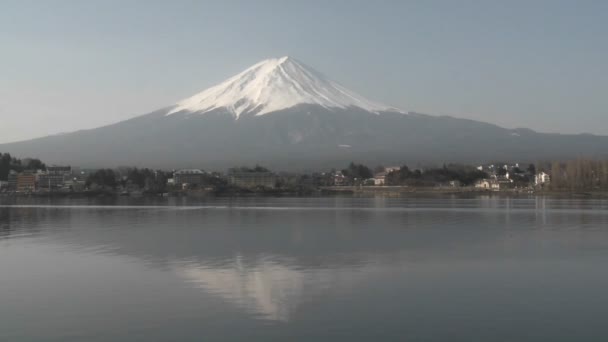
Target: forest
[{"x": 579, "y": 175}]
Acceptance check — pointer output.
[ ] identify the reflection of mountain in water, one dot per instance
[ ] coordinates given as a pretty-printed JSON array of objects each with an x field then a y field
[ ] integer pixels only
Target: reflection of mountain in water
[
  {"x": 271, "y": 290},
  {"x": 268, "y": 288}
]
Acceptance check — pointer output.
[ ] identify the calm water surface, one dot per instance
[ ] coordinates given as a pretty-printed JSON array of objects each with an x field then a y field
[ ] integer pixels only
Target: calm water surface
[{"x": 308, "y": 269}]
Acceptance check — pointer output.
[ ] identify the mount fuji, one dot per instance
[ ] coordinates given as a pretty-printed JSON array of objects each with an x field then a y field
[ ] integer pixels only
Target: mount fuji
[
  {"x": 284, "y": 114},
  {"x": 274, "y": 85}
]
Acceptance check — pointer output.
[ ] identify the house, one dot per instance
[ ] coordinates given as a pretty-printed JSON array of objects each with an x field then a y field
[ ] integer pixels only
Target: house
[
  {"x": 253, "y": 179},
  {"x": 488, "y": 184},
  {"x": 339, "y": 178},
  {"x": 501, "y": 182},
  {"x": 380, "y": 178},
  {"x": 483, "y": 184},
  {"x": 189, "y": 177},
  {"x": 541, "y": 178}
]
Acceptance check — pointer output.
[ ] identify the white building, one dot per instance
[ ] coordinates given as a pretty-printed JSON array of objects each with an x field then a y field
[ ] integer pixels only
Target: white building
[
  {"x": 488, "y": 184},
  {"x": 380, "y": 178},
  {"x": 542, "y": 178}
]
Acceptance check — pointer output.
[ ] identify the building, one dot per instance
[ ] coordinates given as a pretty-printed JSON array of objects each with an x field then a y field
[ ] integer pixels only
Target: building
[
  {"x": 49, "y": 181},
  {"x": 26, "y": 182},
  {"x": 488, "y": 184},
  {"x": 189, "y": 177},
  {"x": 339, "y": 179},
  {"x": 3, "y": 185},
  {"x": 59, "y": 170},
  {"x": 380, "y": 178},
  {"x": 54, "y": 177},
  {"x": 12, "y": 180},
  {"x": 75, "y": 184},
  {"x": 542, "y": 178},
  {"x": 253, "y": 179}
]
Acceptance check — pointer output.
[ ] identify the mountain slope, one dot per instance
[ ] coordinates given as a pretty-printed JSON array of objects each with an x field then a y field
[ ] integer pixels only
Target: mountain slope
[{"x": 284, "y": 115}]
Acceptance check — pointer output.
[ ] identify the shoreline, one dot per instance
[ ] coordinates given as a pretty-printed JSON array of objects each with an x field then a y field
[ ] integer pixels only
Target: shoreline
[{"x": 354, "y": 191}]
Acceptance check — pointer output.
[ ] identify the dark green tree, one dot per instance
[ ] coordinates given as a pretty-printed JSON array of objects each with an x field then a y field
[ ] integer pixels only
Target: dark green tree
[
  {"x": 104, "y": 178},
  {"x": 357, "y": 171}
]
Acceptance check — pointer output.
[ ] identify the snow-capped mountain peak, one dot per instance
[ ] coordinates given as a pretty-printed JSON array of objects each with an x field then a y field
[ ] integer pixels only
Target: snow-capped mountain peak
[{"x": 272, "y": 85}]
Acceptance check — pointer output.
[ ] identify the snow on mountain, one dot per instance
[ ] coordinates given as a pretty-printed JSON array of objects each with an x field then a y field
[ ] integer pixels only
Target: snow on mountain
[{"x": 273, "y": 85}]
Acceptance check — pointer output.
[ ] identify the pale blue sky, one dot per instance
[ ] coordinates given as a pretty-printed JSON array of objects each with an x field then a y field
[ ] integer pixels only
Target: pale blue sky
[{"x": 67, "y": 65}]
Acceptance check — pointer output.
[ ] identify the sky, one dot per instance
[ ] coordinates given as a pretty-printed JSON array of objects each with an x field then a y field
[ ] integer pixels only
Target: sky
[{"x": 70, "y": 65}]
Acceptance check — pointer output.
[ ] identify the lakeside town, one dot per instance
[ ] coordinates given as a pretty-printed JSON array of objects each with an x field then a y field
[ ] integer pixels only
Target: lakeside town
[{"x": 33, "y": 177}]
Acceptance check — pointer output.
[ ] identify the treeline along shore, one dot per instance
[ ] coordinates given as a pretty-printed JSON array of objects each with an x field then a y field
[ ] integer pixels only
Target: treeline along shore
[{"x": 32, "y": 177}]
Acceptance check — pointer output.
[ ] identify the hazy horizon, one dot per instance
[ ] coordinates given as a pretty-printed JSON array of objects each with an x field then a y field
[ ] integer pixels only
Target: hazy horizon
[{"x": 72, "y": 65}]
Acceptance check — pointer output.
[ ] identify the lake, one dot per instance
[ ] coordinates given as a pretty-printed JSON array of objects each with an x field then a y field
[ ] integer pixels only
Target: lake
[{"x": 483, "y": 268}]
